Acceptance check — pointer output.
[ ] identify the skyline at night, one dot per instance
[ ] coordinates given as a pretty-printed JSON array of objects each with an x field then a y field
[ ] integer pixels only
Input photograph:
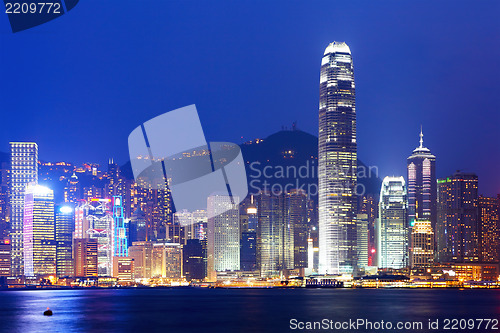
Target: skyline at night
[{"x": 94, "y": 83}]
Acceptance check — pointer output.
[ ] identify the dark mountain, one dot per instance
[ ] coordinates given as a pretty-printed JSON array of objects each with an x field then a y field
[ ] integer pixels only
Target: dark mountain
[{"x": 287, "y": 159}]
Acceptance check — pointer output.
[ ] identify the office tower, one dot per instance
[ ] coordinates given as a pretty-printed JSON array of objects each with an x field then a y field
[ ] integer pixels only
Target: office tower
[
  {"x": 392, "y": 231},
  {"x": 5, "y": 247},
  {"x": 337, "y": 163},
  {"x": 4, "y": 201},
  {"x": 248, "y": 242},
  {"x": 142, "y": 253},
  {"x": 248, "y": 251},
  {"x": 167, "y": 260},
  {"x": 94, "y": 220},
  {"x": 223, "y": 235},
  {"x": 23, "y": 170},
  {"x": 85, "y": 256},
  {"x": 274, "y": 235},
  {"x": 489, "y": 233},
  {"x": 38, "y": 231},
  {"x": 368, "y": 205},
  {"x": 120, "y": 241},
  {"x": 137, "y": 226},
  {"x": 422, "y": 192},
  {"x": 457, "y": 218},
  {"x": 194, "y": 260},
  {"x": 362, "y": 240},
  {"x": 296, "y": 215},
  {"x": 64, "y": 228},
  {"x": 72, "y": 191},
  {"x": 422, "y": 244}
]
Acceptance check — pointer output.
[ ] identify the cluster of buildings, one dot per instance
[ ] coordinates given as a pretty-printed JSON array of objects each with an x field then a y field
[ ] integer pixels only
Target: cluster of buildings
[
  {"x": 421, "y": 224},
  {"x": 81, "y": 225}
]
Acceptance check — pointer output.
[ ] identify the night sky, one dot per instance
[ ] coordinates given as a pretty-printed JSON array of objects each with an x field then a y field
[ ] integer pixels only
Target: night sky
[{"x": 80, "y": 84}]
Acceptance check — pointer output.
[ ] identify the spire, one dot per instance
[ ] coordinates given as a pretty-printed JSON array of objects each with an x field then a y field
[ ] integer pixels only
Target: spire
[{"x": 421, "y": 137}]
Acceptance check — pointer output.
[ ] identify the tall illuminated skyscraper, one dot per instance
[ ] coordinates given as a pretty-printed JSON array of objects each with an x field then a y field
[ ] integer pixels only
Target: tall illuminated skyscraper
[
  {"x": 223, "y": 236},
  {"x": 120, "y": 237},
  {"x": 337, "y": 161},
  {"x": 64, "y": 228},
  {"x": 422, "y": 191},
  {"x": 23, "y": 170},
  {"x": 458, "y": 219},
  {"x": 392, "y": 231},
  {"x": 38, "y": 231}
]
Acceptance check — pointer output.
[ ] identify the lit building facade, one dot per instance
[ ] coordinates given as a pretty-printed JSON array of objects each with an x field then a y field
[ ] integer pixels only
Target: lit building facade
[
  {"x": 362, "y": 240},
  {"x": 23, "y": 170},
  {"x": 489, "y": 233},
  {"x": 120, "y": 235},
  {"x": 223, "y": 235},
  {"x": 274, "y": 235},
  {"x": 94, "y": 220},
  {"x": 296, "y": 215},
  {"x": 457, "y": 228},
  {"x": 422, "y": 244},
  {"x": 64, "y": 228},
  {"x": 5, "y": 247},
  {"x": 38, "y": 231},
  {"x": 337, "y": 161},
  {"x": 142, "y": 253},
  {"x": 391, "y": 226},
  {"x": 85, "y": 256}
]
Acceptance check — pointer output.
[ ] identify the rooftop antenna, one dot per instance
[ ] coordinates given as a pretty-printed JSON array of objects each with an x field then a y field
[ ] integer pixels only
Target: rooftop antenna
[{"x": 421, "y": 137}]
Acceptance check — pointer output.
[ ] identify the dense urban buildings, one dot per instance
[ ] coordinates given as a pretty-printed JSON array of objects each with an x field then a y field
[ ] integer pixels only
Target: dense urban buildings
[
  {"x": 337, "y": 161},
  {"x": 23, "y": 170},
  {"x": 392, "y": 226}
]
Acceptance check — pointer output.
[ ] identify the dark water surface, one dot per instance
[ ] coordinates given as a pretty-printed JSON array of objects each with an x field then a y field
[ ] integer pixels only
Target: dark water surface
[{"x": 236, "y": 310}]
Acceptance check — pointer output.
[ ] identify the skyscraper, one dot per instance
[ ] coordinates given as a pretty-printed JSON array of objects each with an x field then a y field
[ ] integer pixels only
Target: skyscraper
[
  {"x": 39, "y": 246},
  {"x": 223, "y": 236},
  {"x": 337, "y": 161},
  {"x": 458, "y": 218},
  {"x": 422, "y": 193},
  {"x": 64, "y": 227},
  {"x": 120, "y": 241},
  {"x": 391, "y": 226},
  {"x": 296, "y": 205},
  {"x": 489, "y": 233},
  {"x": 274, "y": 235},
  {"x": 85, "y": 256},
  {"x": 23, "y": 170}
]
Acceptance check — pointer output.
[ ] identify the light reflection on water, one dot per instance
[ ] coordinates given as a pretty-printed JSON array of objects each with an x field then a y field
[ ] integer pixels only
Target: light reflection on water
[{"x": 234, "y": 310}]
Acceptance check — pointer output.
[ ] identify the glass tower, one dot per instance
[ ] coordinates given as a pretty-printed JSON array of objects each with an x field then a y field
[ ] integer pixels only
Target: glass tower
[
  {"x": 422, "y": 191},
  {"x": 64, "y": 228},
  {"x": 337, "y": 161},
  {"x": 24, "y": 170},
  {"x": 391, "y": 226},
  {"x": 38, "y": 231}
]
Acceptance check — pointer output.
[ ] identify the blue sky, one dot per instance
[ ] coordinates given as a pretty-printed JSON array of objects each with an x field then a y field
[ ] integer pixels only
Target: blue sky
[{"x": 80, "y": 84}]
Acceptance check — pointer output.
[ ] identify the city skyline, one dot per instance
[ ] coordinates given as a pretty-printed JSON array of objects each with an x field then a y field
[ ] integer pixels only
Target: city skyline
[{"x": 400, "y": 72}]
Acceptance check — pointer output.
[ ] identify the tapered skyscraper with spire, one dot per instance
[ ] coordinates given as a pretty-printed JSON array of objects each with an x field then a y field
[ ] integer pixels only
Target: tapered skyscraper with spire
[
  {"x": 337, "y": 161},
  {"x": 422, "y": 186}
]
